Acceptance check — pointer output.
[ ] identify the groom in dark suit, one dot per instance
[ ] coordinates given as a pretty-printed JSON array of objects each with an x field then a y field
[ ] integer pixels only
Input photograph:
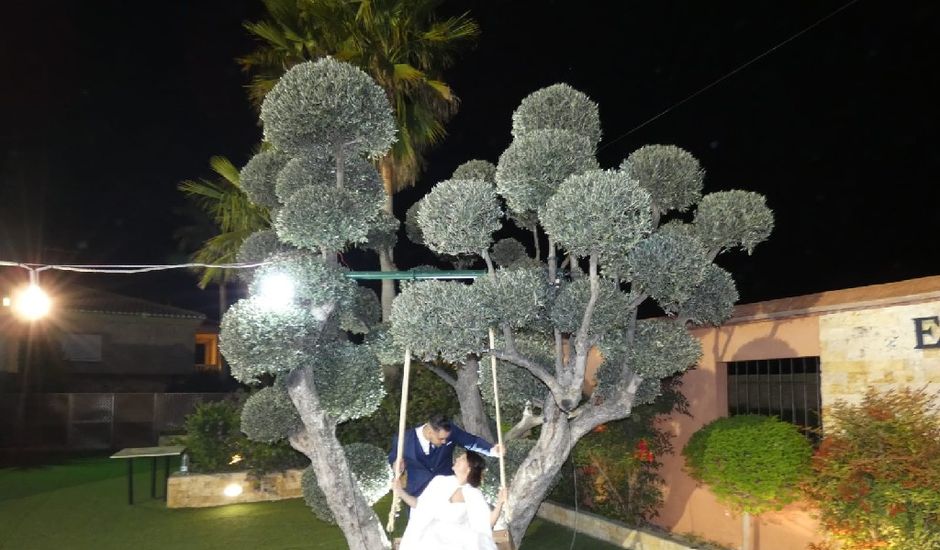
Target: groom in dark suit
[{"x": 429, "y": 451}]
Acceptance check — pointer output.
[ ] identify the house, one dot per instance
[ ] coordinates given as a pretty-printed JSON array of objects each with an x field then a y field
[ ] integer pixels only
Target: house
[
  {"x": 793, "y": 358},
  {"x": 98, "y": 341}
]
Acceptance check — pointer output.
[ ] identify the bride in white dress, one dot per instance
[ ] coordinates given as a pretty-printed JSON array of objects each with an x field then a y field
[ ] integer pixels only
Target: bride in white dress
[{"x": 451, "y": 513}]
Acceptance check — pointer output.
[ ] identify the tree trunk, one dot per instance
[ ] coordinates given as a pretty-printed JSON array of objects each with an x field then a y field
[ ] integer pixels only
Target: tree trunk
[
  {"x": 746, "y": 531},
  {"x": 536, "y": 475},
  {"x": 223, "y": 298},
  {"x": 474, "y": 416},
  {"x": 386, "y": 263},
  {"x": 354, "y": 516},
  {"x": 387, "y": 257}
]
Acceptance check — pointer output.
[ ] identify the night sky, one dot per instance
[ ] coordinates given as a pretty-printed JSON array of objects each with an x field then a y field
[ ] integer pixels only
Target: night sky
[{"x": 108, "y": 105}]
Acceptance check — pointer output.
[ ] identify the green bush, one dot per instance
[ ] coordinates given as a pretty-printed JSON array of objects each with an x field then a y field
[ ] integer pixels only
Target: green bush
[
  {"x": 877, "y": 472},
  {"x": 213, "y": 439},
  {"x": 751, "y": 463},
  {"x": 212, "y": 436}
]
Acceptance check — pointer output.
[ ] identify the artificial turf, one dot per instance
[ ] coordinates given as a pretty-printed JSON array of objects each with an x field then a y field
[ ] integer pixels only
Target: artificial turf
[{"x": 82, "y": 503}]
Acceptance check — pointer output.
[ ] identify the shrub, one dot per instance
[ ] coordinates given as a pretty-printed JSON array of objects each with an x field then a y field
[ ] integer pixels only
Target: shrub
[
  {"x": 751, "y": 463},
  {"x": 212, "y": 434},
  {"x": 213, "y": 439},
  {"x": 877, "y": 472}
]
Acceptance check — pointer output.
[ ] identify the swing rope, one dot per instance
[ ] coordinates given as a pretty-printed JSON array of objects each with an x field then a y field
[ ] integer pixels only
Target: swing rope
[
  {"x": 403, "y": 409},
  {"x": 399, "y": 457},
  {"x": 499, "y": 420}
]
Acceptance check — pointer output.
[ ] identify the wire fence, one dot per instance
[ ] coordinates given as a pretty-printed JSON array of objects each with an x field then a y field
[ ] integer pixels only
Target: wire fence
[{"x": 90, "y": 421}]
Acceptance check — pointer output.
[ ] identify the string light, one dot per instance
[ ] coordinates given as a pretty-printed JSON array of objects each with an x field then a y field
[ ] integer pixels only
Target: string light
[
  {"x": 31, "y": 303},
  {"x": 276, "y": 291}
]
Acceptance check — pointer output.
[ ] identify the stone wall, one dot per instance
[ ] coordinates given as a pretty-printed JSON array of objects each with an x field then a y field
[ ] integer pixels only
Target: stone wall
[
  {"x": 607, "y": 530},
  {"x": 201, "y": 490},
  {"x": 877, "y": 348}
]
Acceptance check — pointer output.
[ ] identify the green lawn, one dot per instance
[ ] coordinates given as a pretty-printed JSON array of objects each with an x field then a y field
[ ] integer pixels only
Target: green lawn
[{"x": 82, "y": 503}]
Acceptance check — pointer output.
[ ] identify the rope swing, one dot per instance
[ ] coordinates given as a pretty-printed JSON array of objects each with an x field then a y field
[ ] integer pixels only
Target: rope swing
[
  {"x": 499, "y": 420},
  {"x": 403, "y": 408},
  {"x": 396, "y": 502}
]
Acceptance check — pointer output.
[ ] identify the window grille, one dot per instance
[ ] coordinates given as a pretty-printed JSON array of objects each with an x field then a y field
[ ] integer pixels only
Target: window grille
[
  {"x": 81, "y": 348},
  {"x": 785, "y": 388}
]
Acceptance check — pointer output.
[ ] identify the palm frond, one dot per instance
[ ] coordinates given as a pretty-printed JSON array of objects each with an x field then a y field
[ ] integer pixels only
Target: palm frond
[{"x": 225, "y": 168}]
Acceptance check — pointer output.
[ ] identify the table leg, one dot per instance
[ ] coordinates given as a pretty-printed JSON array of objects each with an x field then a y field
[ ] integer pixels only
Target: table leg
[
  {"x": 153, "y": 477},
  {"x": 130, "y": 481},
  {"x": 166, "y": 477}
]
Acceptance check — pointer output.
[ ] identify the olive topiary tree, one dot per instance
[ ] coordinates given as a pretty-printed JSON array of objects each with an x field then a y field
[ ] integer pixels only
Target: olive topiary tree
[
  {"x": 641, "y": 232},
  {"x": 751, "y": 463},
  {"x": 324, "y": 121}
]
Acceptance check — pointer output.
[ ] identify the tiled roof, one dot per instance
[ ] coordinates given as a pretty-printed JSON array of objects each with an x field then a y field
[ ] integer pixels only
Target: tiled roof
[
  {"x": 901, "y": 292},
  {"x": 100, "y": 301}
]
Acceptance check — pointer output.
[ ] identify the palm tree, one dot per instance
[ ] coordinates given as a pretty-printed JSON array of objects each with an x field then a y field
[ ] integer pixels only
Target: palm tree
[
  {"x": 400, "y": 43},
  {"x": 234, "y": 216}
]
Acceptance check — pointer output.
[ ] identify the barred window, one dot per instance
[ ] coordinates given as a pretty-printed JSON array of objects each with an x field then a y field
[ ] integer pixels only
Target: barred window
[
  {"x": 81, "y": 348},
  {"x": 785, "y": 388}
]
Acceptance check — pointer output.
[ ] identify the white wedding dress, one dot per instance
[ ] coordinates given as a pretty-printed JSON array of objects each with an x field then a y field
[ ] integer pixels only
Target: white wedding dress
[{"x": 436, "y": 523}]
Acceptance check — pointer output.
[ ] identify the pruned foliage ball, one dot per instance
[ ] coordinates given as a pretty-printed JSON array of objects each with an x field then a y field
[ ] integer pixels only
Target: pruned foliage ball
[
  {"x": 518, "y": 297},
  {"x": 348, "y": 380},
  {"x": 330, "y": 217},
  {"x": 517, "y": 385},
  {"x": 713, "y": 300},
  {"x": 733, "y": 219},
  {"x": 256, "y": 248},
  {"x": 459, "y": 217},
  {"x": 558, "y": 107},
  {"x": 611, "y": 311},
  {"x": 314, "y": 282},
  {"x": 476, "y": 170},
  {"x": 439, "y": 319},
  {"x": 412, "y": 228},
  {"x": 381, "y": 343},
  {"x": 369, "y": 465},
  {"x": 364, "y": 313},
  {"x": 384, "y": 232},
  {"x": 648, "y": 391},
  {"x": 509, "y": 252},
  {"x": 257, "y": 177},
  {"x": 259, "y": 246},
  {"x": 319, "y": 172},
  {"x": 534, "y": 165},
  {"x": 668, "y": 267},
  {"x": 326, "y": 102},
  {"x": 598, "y": 212},
  {"x": 663, "y": 347},
  {"x": 257, "y": 340},
  {"x": 314, "y": 496},
  {"x": 269, "y": 416},
  {"x": 673, "y": 177}
]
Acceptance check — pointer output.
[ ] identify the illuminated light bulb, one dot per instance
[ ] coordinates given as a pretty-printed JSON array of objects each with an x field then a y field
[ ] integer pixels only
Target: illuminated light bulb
[
  {"x": 7, "y": 301},
  {"x": 32, "y": 303},
  {"x": 276, "y": 291},
  {"x": 232, "y": 490}
]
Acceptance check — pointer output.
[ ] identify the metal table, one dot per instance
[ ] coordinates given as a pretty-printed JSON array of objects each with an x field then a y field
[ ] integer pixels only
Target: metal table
[{"x": 153, "y": 453}]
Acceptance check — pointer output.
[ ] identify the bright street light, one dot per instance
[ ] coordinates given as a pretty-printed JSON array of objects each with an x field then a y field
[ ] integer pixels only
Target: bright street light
[
  {"x": 276, "y": 291},
  {"x": 31, "y": 303}
]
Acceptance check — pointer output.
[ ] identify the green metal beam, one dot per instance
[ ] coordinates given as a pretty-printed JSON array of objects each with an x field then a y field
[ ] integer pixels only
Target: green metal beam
[{"x": 413, "y": 275}]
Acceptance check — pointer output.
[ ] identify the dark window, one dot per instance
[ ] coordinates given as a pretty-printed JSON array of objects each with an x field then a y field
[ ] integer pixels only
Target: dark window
[
  {"x": 785, "y": 388},
  {"x": 201, "y": 354}
]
